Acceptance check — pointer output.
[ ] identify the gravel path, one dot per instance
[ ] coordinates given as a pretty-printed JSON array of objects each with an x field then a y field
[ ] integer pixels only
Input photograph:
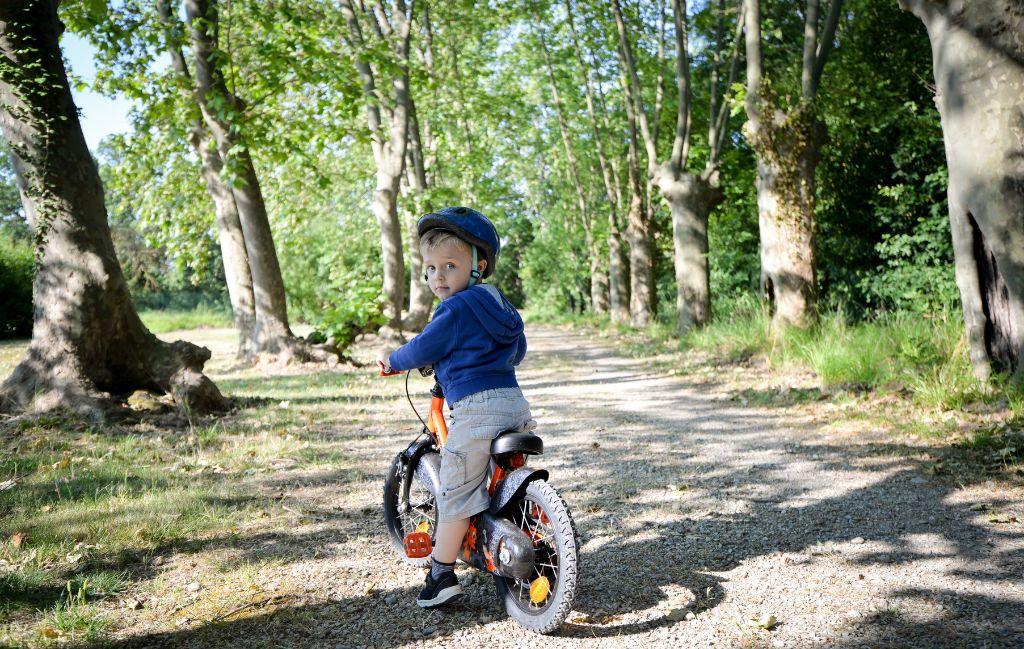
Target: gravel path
[{"x": 700, "y": 518}]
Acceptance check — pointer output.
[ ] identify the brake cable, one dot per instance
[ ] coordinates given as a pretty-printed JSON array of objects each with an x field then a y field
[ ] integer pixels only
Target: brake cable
[{"x": 409, "y": 398}]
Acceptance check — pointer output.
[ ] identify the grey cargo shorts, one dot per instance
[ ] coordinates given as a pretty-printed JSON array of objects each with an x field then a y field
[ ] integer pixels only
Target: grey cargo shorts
[{"x": 475, "y": 421}]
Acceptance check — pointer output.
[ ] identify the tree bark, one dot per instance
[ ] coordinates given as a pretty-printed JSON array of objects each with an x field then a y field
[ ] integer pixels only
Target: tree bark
[
  {"x": 229, "y": 225},
  {"x": 641, "y": 259},
  {"x": 232, "y": 243},
  {"x": 978, "y": 59},
  {"x": 787, "y": 147},
  {"x": 389, "y": 154},
  {"x": 420, "y": 297},
  {"x": 271, "y": 332},
  {"x": 89, "y": 348},
  {"x": 691, "y": 198}
]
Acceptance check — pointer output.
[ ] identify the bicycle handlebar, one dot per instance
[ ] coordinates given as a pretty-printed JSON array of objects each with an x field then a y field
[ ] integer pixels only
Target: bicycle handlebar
[{"x": 424, "y": 371}]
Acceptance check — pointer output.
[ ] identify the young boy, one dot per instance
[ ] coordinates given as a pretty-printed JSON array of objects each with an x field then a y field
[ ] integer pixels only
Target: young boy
[{"x": 474, "y": 342}]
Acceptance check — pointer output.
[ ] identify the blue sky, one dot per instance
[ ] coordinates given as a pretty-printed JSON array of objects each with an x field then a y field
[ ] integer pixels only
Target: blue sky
[{"x": 101, "y": 116}]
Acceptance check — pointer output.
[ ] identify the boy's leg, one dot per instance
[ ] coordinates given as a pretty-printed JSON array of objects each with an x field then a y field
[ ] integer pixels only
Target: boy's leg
[
  {"x": 464, "y": 463},
  {"x": 448, "y": 540}
]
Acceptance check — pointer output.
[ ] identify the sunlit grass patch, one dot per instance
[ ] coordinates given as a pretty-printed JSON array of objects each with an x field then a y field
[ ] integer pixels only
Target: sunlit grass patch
[
  {"x": 73, "y": 618},
  {"x": 162, "y": 321},
  {"x": 11, "y": 352}
]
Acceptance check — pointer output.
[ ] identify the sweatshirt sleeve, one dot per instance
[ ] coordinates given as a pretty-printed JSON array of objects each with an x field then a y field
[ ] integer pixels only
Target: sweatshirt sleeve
[
  {"x": 520, "y": 350},
  {"x": 436, "y": 341}
]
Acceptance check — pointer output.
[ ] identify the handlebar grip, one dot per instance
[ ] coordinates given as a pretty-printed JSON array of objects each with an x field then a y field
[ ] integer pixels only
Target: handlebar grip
[{"x": 385, "y": 373}]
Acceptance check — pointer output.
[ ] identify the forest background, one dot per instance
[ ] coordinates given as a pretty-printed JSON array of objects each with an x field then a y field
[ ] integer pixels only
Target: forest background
[{"x": 532, "y": 118}]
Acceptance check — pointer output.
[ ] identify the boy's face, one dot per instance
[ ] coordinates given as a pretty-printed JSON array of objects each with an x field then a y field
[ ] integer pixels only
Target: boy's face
[{"x": 447, "y": 269}]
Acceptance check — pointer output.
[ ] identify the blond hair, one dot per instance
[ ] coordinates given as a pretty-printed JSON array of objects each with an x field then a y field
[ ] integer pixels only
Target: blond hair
[{"x": 438, "y": 238}]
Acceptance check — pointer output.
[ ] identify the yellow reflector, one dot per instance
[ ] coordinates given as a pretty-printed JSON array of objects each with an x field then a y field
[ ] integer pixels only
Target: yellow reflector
[
  {"x": 423, "y": 527},
  {"x": 539, "y": 590}
]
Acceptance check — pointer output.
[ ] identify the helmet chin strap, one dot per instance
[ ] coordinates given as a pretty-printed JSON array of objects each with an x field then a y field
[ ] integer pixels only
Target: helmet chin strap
[{"x": 474, "y": 274}]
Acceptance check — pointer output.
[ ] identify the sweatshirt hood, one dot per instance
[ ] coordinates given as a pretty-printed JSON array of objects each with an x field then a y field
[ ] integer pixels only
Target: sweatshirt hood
[{"x": 493, "y": 312}]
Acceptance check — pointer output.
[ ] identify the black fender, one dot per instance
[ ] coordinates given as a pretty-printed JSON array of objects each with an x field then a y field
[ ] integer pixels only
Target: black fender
[
  {"x": 512, "y": 488},
  {"x": 425, "y": 461},
  {"x": 428, "y": 471}
]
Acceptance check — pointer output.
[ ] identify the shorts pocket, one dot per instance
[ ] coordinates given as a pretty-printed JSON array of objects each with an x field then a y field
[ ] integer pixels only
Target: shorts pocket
[{"x": 453, "y": 469}]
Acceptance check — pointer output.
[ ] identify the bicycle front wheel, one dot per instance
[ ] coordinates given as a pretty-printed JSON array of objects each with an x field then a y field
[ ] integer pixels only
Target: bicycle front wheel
[{"x": 408, "y": 507}]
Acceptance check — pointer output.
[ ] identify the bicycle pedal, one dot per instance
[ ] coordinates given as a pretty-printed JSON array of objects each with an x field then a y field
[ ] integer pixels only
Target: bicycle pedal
[{"x": 418, "y": 545}]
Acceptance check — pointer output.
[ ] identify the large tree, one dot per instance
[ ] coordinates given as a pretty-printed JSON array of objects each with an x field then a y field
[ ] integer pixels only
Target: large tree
[
  {"x": 234, "y": 256},
  {"x": 381, "y": 58},
  {"x": 978, "y": 58},
  {"x": 640, "y": 230},
  {"x": 691, "y": 195},
  {"x": 787, "y": 141},
  {"x": 88, "y": 345}
]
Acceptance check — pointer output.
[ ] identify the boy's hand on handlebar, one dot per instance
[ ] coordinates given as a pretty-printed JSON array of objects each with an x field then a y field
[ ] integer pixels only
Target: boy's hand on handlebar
[{"x": 384, "y": 361}]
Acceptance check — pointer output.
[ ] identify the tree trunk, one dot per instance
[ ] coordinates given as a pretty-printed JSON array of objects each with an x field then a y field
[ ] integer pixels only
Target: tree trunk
[
  {"x": 598, "y": 278},
  {"x": 787, "y": 148},
  {"x": 690, "y": 198},
  {"x": 978, "y": 56},
  {"x": 229, "y": 226},
  {"x": 271, "y": 332},
  {"x": 420, "y": 297},
  {"x": 641, "y": 263},
  {"x": 88, "y": 345},
  {"x": 385, "y": 208},
  {"x": 388, "y": 155},
  {"x": 232, "y": 244},
  {"x": 618, "y": 278}
]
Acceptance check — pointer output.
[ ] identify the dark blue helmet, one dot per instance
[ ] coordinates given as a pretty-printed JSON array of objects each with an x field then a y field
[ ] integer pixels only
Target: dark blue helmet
[{"x": 469, "y": 225}]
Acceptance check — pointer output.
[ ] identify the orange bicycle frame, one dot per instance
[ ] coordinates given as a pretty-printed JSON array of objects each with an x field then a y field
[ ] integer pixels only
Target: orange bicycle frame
[
  {"x": 435, "y": 420},
  {"x": 439, "y": 428}
]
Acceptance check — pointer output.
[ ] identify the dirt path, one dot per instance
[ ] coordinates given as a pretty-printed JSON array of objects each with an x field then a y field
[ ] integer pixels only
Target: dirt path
[{"x": 697, "y": 514}]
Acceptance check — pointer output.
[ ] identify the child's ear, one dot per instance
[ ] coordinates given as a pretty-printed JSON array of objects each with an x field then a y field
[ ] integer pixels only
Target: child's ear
[{"x": 481, "y": 266}]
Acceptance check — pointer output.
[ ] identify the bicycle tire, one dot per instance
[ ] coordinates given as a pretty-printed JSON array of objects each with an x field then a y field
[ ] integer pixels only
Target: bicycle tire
[
  {"x": 397, "y": 486},
  {"x": 549, "y": 618}
]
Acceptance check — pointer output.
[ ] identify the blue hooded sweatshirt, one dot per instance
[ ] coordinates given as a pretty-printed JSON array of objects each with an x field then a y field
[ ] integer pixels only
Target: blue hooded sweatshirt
[{"x": 474, "y": 342}]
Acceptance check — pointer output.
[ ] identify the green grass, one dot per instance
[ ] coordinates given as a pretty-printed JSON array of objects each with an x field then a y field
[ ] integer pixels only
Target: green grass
[
  {"x": 923, "y": 356},
  {"x": 163, "y": 321},
  {"x": 96, "y": 503}
]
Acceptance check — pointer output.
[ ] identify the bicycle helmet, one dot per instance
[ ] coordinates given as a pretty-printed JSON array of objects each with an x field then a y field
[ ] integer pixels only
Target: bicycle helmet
[{"x": 472, "y": 227}]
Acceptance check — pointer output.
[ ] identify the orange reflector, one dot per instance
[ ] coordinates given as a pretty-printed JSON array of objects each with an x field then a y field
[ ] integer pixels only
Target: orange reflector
[
  {"x": 540, "y": 515},
  {"x": 517, "y": 460},
  {"x": 424, "y": 526},
  {"x": 539, "y": 590},
  {"x": 418, "y": 545}
]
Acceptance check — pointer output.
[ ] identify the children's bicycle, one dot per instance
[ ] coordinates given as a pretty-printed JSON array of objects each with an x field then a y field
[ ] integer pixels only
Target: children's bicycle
[{"x": 527, "y": 538}]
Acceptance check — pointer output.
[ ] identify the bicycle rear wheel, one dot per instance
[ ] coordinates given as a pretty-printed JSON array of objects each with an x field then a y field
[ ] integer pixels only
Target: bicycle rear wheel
[{"x": 542, "y": 602}]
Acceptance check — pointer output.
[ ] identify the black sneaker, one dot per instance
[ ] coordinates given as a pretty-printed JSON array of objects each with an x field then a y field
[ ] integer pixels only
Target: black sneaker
[{"x": 439, "y": 592}]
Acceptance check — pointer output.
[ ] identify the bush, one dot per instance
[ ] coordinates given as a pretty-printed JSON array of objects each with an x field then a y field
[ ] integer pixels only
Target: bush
[{"x": 16, "y": 273}]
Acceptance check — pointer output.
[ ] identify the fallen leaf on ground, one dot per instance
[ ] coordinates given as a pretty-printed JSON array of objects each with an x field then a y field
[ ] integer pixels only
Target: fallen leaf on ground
[
  {"x": 17, "y": 539},
  {"x": 766, "y": 622},
  {"x": 50, "y": 632},
  {"x": 133, "y": 604},
  {"x": 8, "y": 484},
  {"x": 1002, "y": 518}
]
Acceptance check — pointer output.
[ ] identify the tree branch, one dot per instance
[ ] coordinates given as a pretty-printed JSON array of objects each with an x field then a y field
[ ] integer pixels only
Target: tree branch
[
  {"x": 681, "y": 145},
  {"x": 632, "y": 86},
  {"x": 825, "y": 46},
  {"x": 717, "y": 139},
  {"x": 755, "y": 62},
  {"x": 810, "y": 43}
]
